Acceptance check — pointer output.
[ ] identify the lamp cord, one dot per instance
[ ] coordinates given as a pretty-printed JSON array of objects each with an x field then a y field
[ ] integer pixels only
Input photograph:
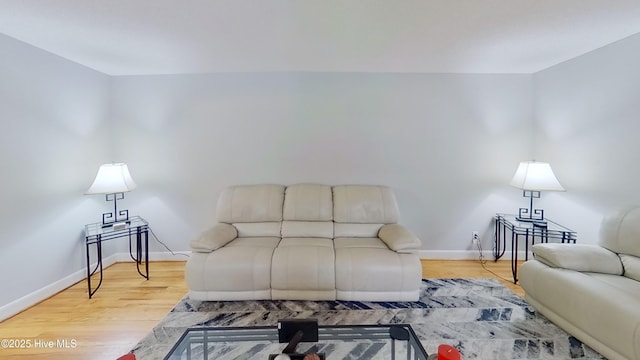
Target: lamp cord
[
  {"x": 165, "y": 245},
  {"x": 483, "y": 262}
]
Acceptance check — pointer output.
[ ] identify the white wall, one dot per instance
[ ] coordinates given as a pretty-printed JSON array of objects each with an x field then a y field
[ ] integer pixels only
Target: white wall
[
  {"x": 588, "y": 126},
  {"x": 54, "y": 136},
  {"x": 447, "y": 144}
]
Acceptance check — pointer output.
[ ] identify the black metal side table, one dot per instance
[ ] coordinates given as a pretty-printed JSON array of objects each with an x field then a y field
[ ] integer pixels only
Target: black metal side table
[
  {"x": 528, "y": 231},
  {"x": 135, "y": 228}
]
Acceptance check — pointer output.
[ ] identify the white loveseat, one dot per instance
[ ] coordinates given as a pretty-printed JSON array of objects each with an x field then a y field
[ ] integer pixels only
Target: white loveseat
[
  {"x": 305, "y": 242},
  {"x": 592, "y": 291}
]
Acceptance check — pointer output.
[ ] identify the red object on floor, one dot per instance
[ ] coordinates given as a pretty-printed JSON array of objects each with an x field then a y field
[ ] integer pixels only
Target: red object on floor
[
  {"x": 448, "y": 352},
  {"x": 127, "y": 357}
]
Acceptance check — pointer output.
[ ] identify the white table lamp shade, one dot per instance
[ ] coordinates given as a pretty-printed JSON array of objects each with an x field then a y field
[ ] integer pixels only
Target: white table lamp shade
[
  {"x": 535, "y": 176},
  {"x": 112, "y": 179}
]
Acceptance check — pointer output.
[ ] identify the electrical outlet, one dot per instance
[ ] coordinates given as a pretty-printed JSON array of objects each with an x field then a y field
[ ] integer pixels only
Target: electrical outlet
[{"x": 475, "y": 237}]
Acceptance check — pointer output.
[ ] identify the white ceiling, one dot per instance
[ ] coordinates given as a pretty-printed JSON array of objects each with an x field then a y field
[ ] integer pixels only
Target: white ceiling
[{"x": 126, "y": 37}]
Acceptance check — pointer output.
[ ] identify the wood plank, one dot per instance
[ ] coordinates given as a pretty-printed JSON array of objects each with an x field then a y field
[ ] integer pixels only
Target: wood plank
[
  {"x": 105, "y": 327},
  {"x": 127, "y": 307},
  {"x": 499, "y": 270}
]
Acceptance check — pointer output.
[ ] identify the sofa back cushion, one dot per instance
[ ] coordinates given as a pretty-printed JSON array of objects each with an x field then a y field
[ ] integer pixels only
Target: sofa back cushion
[
  {"x": 308, "y": 211},
  {"x": 620, "y": 231},
  {"x": 364, "y": 204},
  {"x": 631, "y": 266},
  {"x": 251, "y": 204},
  {"x": 308, "y": 202}
]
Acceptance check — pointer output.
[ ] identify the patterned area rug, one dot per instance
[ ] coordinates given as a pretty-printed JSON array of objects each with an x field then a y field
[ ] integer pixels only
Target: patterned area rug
[{"x": 480, "y": 317}]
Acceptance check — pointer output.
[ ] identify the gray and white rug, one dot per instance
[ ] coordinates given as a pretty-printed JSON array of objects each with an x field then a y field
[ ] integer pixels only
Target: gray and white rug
[{"x": 480, "y": 317}]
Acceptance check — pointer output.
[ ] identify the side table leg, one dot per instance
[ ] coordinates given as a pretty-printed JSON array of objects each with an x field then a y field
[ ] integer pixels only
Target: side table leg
[
  {"x": 98, "y": 267},
  {"x": 500, "y": 240},
  {"x": 526, "y": 244},
  {"x": 137, "y": 257},
  {"x": 140, "y": 250},
  {"x": 514, "y": 257},
  {"x": 146, "y": 252},
  {"x": 496, "y": 240},
  {"x": 88, "y": 269}
]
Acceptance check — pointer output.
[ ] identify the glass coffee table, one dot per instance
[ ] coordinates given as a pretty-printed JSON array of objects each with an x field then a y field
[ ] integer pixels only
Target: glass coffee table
[{"x": 388, "y": 342}]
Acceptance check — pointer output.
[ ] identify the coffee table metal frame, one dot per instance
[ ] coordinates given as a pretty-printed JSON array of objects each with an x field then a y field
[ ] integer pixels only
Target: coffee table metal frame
[{"x": 206, "y": 335}]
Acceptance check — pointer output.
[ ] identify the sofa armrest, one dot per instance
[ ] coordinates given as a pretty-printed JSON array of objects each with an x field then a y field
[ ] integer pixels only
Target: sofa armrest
[
  {"x": 216, "y": 237},
  {"x": 579, "y": 257},
  {"x": 398, "y": 238}
]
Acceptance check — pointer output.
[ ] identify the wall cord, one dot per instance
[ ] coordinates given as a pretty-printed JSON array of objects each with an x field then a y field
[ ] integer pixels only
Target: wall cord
[
  {"x": 483, "y": 261},
  {"x": 165, "y": 245}
]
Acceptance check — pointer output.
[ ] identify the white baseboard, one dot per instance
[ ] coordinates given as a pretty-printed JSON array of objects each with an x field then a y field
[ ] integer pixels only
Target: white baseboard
[
  {"x": 39, "y": 295},
  {"x": 167, "y": 256},
  {"x": 156, "y": 256},
  {"x": 464, "y": 255}
]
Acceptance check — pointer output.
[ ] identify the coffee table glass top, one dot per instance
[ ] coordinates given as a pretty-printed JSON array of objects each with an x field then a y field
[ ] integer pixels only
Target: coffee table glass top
[{"x": 388, "y": 342}]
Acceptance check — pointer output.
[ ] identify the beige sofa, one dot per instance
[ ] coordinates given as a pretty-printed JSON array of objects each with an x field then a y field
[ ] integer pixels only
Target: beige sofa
[
  {"x": 305, "y": 242},
  {"x": 592, "y": 291}
]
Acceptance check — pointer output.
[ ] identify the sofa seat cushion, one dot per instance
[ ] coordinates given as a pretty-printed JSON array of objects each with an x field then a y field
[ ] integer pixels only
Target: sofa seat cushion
[
  {"x": 240, "y": 270},
  {"x": 602, "y": 310},
  {"x": 303, "y": 269},
  {"x": 621, "y": 283},
  {"x": 374, "y": 272},
  {"x": 351, "y": 242}
]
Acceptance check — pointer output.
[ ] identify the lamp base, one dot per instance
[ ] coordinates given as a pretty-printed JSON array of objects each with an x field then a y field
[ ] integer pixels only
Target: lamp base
[
  {"x": 530, "y": 214},
  {"x": 110, "y": 218},
  {"x": 529, "y": 219},
  {"x": 535, "y": 222},
  {"x": 116, "y": 225}
]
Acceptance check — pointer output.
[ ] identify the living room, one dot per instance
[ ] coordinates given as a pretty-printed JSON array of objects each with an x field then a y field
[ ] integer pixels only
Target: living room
[{"x": 447, "y": 142}]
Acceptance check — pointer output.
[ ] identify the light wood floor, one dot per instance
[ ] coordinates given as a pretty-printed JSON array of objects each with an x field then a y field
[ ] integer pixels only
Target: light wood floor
[{"x": 127, "y": 307}]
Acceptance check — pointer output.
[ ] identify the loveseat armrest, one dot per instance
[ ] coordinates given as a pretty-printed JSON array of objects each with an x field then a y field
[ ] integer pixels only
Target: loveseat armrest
[
  {"x": 398, "y": 238},
  {"x": 579, "y": 257},
  {"x": 216, "y": 237}
]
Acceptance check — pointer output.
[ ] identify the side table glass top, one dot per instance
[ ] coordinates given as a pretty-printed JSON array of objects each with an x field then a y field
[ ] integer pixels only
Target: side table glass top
[
  {"x": 549, "y": 227},
  {"x": 95, "y": 229},
  {"x": 374, "y": 342}
]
